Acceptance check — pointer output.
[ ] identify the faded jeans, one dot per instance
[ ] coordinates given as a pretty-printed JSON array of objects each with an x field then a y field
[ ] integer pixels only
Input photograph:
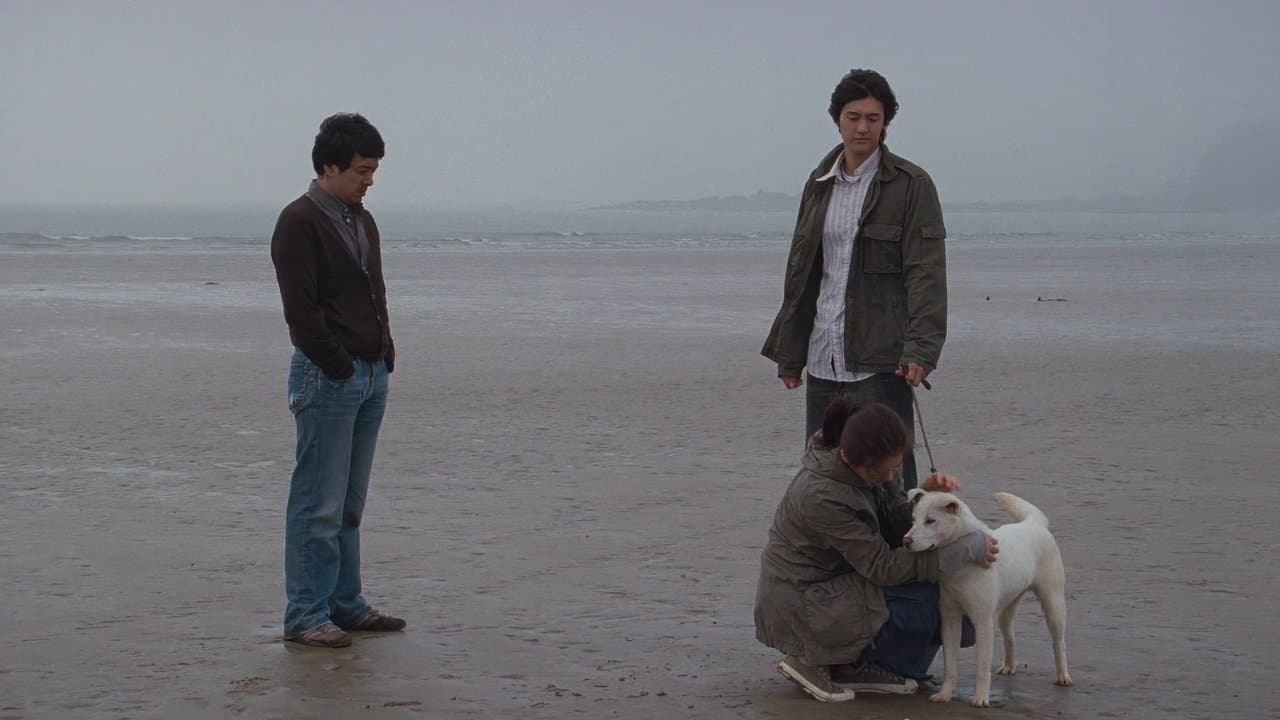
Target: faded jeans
[
  {"x": 885, "y": 388},
  {"x": 337, "y": 423}
]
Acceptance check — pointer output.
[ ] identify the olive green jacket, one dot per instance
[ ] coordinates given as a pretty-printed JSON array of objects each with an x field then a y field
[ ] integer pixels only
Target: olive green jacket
[
  {"x": 834, "y": 543},
  {"x": 896, "y": 300}
]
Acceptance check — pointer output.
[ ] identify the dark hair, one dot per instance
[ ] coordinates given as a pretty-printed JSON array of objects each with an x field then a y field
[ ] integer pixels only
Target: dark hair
[
  {"x": 341, "y": 138},
  {"x": 858, "y": 84},
  {"x": 834, "y": 418},
  {"x": 873, "y": 434}
]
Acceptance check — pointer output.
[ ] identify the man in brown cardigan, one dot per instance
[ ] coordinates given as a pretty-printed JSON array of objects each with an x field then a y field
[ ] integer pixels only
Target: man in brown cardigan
[{"x": 328, "y": 261}]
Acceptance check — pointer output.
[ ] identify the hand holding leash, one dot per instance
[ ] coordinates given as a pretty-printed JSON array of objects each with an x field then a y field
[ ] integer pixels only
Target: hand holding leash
[{"x": 913, "y": 373}]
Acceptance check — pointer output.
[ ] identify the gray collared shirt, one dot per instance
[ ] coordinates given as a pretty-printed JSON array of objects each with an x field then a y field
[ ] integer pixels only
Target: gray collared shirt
[
  {"x": 349, "y": 222},
  {"x": 826, "y": 342}
]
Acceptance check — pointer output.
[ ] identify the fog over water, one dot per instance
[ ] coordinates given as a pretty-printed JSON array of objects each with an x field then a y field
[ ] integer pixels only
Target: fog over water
[{"x": 564, "y": 105}]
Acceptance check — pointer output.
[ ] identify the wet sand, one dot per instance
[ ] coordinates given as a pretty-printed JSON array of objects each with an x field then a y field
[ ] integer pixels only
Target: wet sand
[{"x": 577, "y": 472}]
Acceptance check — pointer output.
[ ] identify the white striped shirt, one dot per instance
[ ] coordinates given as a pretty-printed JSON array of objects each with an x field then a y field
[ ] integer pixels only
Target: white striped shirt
[{"x": 826, "y": 342}]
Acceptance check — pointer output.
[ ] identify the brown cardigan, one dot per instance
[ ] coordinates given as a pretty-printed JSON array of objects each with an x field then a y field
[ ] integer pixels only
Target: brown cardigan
[{"x": 336, "y": 311}]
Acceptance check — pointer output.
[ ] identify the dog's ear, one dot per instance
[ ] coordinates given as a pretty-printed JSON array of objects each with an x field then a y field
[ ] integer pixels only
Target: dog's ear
[
  {"x": 952, "y": 507},
  {"x": 914, "y": 495}
]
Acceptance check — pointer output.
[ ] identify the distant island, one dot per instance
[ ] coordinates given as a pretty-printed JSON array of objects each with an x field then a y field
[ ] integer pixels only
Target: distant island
[
  {"x": 1236, "y": 173},
  {"x": 782, "y": 202},
  {"x": 759, "y": 202}
]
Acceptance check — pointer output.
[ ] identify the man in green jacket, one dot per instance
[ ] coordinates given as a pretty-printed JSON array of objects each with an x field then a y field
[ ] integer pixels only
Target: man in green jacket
[{"x": 864, "y": 308}]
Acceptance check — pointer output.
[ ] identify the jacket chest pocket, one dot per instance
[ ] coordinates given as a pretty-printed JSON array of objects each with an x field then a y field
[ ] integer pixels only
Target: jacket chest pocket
[{"x": 881, "y": 249}]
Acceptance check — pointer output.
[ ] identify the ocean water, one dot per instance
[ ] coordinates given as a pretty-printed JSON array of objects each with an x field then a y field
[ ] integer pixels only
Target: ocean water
[
  {"x": 1190, "y": 279},
  {"x": 224, "y": 228}
]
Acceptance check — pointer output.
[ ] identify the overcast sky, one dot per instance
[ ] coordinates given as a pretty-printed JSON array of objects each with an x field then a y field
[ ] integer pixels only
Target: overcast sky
[{"x": 565, "y": 104}]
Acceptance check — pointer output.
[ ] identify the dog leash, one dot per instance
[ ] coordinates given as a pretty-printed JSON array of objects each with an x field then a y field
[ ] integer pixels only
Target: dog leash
[{"x": 920, "y": 421}]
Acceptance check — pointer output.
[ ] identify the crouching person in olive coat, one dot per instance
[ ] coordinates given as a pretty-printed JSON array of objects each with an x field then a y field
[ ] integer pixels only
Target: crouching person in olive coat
[{"x": 849, "y": 607}]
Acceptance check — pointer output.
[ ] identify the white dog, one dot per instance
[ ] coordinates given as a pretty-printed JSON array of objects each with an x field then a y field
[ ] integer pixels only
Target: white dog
[{"x": 1029, "y": 560}]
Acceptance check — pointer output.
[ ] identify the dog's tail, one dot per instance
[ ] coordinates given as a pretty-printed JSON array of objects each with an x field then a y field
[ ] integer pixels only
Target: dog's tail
[{"x": 1021, "y": 510}]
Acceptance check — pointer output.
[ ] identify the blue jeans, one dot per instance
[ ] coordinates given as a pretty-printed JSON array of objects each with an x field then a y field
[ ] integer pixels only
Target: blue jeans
[
  {"x": 337, "y": 423},
  {"x": 908, "y": 642}
]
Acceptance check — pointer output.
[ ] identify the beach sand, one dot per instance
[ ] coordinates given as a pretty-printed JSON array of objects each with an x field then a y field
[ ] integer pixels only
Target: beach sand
[{"x": 578, "y": 470}]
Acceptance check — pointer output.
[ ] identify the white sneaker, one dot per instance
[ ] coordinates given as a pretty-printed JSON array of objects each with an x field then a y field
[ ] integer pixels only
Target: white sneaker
[{"x": 815, "y": 680}]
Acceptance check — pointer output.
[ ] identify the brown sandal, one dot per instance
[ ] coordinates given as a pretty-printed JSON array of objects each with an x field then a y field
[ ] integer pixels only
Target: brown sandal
[{"x": 378, "y": 622}]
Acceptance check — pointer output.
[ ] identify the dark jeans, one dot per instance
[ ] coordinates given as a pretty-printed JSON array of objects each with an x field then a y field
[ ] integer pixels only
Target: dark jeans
[
  {"x": 909, "y": 641},
  {"x": 885, "y": 388}
]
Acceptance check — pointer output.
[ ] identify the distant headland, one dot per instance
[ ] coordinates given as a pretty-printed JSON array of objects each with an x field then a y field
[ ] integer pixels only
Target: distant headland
[
  {"x": 758, "y": 202},
  {"x": 1235, "y": 173}
]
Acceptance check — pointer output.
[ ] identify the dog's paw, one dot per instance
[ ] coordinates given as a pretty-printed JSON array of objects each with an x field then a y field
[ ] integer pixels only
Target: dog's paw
[
  {"x": 1006, "y": 669},
  {"x": 981, "y": 701},
  {"x": 940, "y": 697},
  {"x": 1064, "y": 680}
]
